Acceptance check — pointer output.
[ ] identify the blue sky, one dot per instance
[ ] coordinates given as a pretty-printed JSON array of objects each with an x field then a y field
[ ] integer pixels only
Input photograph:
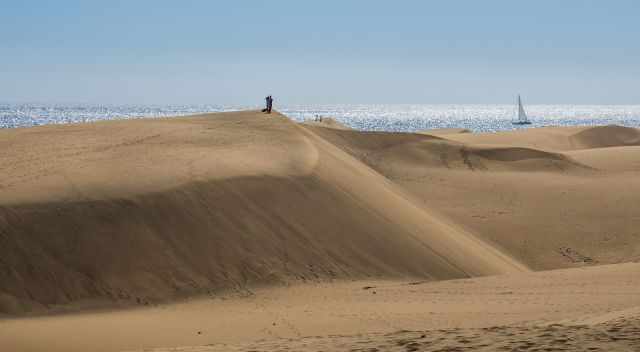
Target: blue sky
[{"x": 235, "y": 52}]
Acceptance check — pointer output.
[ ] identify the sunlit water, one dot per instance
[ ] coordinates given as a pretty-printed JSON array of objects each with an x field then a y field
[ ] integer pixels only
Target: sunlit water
[{"x": 362, "y": 117}]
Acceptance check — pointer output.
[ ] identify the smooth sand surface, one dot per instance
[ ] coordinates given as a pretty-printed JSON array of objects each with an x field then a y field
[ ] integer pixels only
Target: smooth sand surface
[
  {"x": 571, "y": 309},
  {"x": 609, "y": 159},
  {"x": 133, "y": 215}
]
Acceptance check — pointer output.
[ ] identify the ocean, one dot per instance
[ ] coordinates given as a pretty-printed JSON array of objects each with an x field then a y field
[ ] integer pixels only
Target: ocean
[{"x": 392, "y": 117}]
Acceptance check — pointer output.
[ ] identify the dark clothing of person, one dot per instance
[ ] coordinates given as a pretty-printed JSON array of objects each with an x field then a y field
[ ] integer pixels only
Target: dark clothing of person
[{"x": 269, "y": 104}]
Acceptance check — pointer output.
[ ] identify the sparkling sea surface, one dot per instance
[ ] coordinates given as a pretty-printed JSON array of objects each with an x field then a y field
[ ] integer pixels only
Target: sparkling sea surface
[{"x": 406, "y": 118}]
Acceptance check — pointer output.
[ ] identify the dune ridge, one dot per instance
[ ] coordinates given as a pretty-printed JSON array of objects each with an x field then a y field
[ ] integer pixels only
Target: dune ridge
[
  {"x": 606, "y": 136},
  {"x": 407, "y": 153},
  {"x": 444, "y": 131},
  {"x": 557, "y": 138}
]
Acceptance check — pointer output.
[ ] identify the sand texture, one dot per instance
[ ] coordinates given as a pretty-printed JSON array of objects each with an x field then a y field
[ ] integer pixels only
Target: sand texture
[
  {"x": 569, "y": 309},
  {"x": 191, "y": 224}
]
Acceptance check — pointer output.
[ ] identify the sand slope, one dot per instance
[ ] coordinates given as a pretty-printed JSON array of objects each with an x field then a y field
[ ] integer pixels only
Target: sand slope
[
  {"x": 569, "y": 309},
  {"x": 538, "y": 194},
  {"x": 611, "y": 159},
  {"x": 144, "y": 211}
]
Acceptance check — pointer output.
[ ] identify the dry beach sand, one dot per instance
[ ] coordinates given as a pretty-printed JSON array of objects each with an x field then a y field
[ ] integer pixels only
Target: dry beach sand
[{"x": 246, "y": 231}]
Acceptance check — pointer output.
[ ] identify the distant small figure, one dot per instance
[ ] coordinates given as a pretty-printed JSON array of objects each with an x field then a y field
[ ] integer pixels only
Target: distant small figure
[
  {"x": 269, "y": 104},
  {"x": 266, "y": 103}
]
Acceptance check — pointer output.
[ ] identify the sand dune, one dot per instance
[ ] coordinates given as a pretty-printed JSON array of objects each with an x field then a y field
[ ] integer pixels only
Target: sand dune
[
  {"x": 522, "y": 159},
  {"x": 103, "y": 216},
  {"x": 557, "y": 138},
  {"x": 268, "y": 217},
  {"x": 114, "y": 159},
  {"x": 606, "y": 136},
  {"x": 410, "y": 155},
  {"x": 550, "y": 209}
]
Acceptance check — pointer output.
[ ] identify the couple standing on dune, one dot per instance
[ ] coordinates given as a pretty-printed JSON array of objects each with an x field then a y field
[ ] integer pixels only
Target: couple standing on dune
[{"x": 269, "y": 103}]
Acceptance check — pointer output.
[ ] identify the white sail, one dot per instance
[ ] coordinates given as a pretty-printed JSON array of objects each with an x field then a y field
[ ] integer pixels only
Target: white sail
[{"x": 522, "y": 116}]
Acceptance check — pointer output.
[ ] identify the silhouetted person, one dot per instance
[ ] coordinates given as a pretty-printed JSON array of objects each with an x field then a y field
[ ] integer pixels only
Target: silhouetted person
[
  {"x": 269, "y": 104},
  {"x": 266, "y": 104}
]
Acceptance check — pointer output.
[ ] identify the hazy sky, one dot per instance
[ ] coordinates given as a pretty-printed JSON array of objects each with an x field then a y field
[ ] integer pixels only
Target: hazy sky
[{"x": 235, "y": 52}]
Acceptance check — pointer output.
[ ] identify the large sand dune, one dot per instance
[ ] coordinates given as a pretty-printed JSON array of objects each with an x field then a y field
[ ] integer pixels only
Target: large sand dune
[
  {"x": 538, "y": 194},
  {"x": 606, "y": 136},
  {"x": 121, "y": 213},
  {"x": 142, "y": 211}
]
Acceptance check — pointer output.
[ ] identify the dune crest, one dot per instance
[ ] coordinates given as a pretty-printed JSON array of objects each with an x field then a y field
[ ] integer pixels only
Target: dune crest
[
  {"x": 444, "y": 131},
  {"x": 412, "y": 154},
  {"x": 556, "y": 138},
  {"x": 607, "y": 136}
]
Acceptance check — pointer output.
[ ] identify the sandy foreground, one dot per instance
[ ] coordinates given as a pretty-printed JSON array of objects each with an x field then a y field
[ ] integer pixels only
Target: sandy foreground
[
  {"x": 246, "y": 231},
  {"x": 585, "y": 309}
]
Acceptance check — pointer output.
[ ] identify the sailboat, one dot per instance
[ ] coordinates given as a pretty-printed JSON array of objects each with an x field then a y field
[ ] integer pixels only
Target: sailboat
[{"x": 522, "y": 116}]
